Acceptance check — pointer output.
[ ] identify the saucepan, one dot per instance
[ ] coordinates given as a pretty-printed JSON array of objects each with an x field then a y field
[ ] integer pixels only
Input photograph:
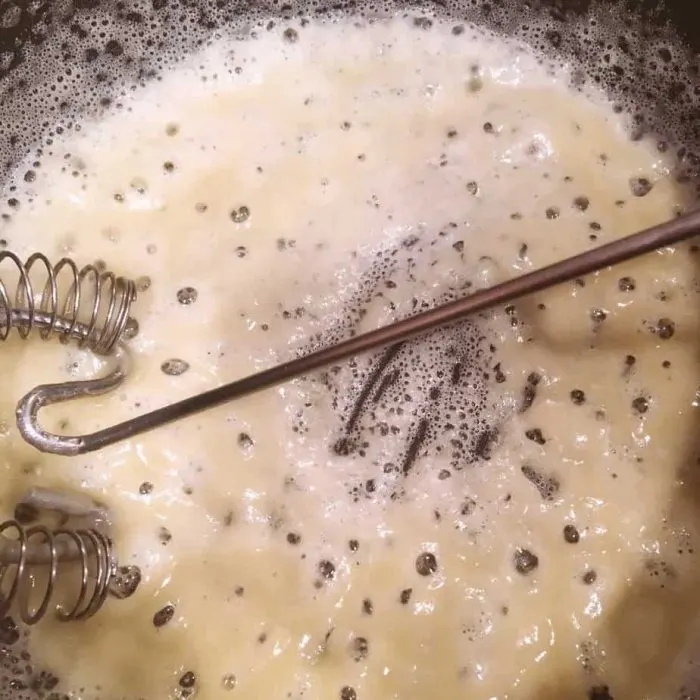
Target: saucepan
[{"x": 66, "y": 61}]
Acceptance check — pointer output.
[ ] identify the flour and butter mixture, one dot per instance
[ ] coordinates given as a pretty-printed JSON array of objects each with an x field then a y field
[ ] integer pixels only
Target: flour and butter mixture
[{"x": 497, "y": 510}]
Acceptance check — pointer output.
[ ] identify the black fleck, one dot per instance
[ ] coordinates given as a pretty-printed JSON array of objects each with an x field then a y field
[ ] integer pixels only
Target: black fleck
[
  {"x": 525, "y": 561},
  {"x": 571, "y": 534},
  {"x": 426, "y": 563},
  {"x": 163, "y": 616}
]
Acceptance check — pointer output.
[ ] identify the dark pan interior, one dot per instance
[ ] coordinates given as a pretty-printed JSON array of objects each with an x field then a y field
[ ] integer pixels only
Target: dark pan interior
[{"x": 61, "y": 60}]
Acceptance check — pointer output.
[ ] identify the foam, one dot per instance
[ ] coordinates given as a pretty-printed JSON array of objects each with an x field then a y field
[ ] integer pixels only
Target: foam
[{"x": 92, "y": 58}]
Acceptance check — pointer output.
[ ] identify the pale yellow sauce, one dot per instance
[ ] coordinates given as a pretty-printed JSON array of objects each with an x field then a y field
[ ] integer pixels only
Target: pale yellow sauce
[{"x": 248, "y": 603}]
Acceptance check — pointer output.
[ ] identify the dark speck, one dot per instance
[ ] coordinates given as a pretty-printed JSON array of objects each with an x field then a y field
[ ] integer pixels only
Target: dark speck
[
  {"x": 525, "y": 561},
  {"x": 578, "y": 397},
  {"x": 626, "y": 284},
  {"x": 640, "y": 405},
  {"x": 548, "y": 486},
  {"x": 187, "y": 680},
  {"x": 589, "y": 577},
  {"x": 174, "y": 367},
  {"x": 145, "y": 488},
  {"x": 581, "y": 203},
  {"x": 367, "y": 607},
  {"x": 359, "y": 648},
  {"x": 599, "y": 692},
  {"x": 163, "y": 616},
  {"x": 293, "y": 538},
  {"x": 187, "y": 296},
  {"x": 552, "y": 212},
  {"x": 665, "y": 328},
  {"x": 348, "y": 693},
  {"x": 291, "y": 35},
  {"x": 640, "y": 186},
  {"x": 598, "y": 315},
  {"x": 245, "y": 441},
  {"x": 405, "y": 596},
  {"x": 125, "y": 581},
  {"x": 168, "y": 166},
  {"x": 472, "y": 187},
  {"x": 326, "y": 569},
  {"x": 240, "y": 215},
  {"x": 353, "y": 545},
  {"x": 571, "y": 534},
  {"x": 535, "y": 434},
  {"x": 426, "y": 563}
]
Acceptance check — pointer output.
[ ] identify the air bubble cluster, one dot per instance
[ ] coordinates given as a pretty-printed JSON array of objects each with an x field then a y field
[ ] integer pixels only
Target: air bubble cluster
[
  {"x": 91, "y": 56},
  {"x": 427, "y": 397}
]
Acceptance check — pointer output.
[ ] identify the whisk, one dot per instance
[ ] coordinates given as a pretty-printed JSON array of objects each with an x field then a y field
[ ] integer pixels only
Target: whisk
[
  {"x": 75, "y": 559},
  {"x": 72, "y": 561},
  {"x": 632, "y": 246}
]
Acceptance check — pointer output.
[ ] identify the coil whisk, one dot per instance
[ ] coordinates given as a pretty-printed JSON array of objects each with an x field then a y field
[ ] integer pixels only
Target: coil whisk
[
  {"x": 88, "y": 305},
  {"x": 39, "y": 565},
  {"x": 71, "y": 567}
]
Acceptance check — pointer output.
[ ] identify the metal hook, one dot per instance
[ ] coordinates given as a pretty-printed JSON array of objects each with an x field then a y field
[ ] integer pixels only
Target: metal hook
[{"x": 47, "y": 394}]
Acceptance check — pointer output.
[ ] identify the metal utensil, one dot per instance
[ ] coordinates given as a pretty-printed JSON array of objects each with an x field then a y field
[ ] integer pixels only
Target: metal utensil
[{"x": 632, "y": 246}]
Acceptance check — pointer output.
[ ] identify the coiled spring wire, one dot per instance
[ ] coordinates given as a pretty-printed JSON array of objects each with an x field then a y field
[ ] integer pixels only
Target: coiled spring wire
[{"x": 38, "y": 564}]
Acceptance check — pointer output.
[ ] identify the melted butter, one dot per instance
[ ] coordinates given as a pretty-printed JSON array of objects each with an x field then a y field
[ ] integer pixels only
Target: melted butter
[{"x": 270, "y": 190}]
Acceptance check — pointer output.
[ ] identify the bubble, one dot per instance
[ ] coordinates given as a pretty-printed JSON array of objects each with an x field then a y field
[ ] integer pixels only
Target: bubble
[
  {"x": 187, "y": 296},
  {"x": 125, "y": 582},
  {"x": 188, "y": 680},
  {"x": 240, "y": 215},
  {"x": 229, "y": 681},
  {"x": 174, "y": 367},
  {"x": 640, "y": 186},
  {"x": 626, "y": 284}
]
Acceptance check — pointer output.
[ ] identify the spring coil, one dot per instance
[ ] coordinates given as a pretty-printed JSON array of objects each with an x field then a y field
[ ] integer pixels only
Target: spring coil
[
  {"x": 52, "y": 554},
  {"x": 88, "y": 305}
]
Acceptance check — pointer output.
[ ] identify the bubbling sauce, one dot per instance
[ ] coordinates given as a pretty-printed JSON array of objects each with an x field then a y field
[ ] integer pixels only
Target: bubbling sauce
[{"x": 500, "y": 509}]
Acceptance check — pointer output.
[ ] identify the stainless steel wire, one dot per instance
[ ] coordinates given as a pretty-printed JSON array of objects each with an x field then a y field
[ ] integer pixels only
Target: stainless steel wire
[{"x": 635, "y": 245}]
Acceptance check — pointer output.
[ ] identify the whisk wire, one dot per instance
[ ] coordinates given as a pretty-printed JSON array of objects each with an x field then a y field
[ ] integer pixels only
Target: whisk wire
[
  {"x": 92, "y": 307},
  {"x": 43, "y": 553}
]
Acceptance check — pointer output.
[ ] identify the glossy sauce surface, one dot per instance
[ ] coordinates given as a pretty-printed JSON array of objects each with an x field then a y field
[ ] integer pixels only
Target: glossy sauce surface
[{"x": 495, "y": 511}]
